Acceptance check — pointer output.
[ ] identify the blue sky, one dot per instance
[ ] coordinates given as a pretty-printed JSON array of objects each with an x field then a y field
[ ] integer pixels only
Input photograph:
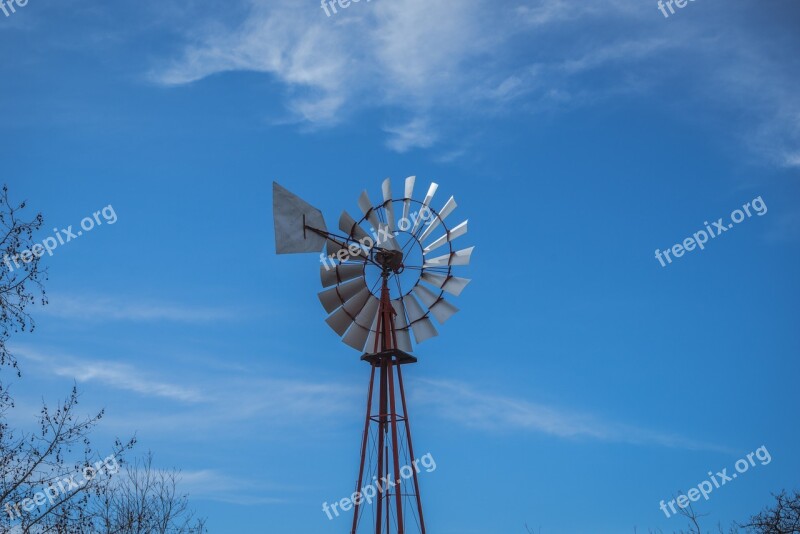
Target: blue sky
[{"x": 580, "y": 384}]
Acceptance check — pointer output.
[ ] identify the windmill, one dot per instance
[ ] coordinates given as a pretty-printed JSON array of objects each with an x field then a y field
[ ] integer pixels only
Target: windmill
[{"x": 383, "y": 276}]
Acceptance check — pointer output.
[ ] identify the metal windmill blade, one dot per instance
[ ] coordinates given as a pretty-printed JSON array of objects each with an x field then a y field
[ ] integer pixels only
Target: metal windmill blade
[{"x": 380, "y": 242}]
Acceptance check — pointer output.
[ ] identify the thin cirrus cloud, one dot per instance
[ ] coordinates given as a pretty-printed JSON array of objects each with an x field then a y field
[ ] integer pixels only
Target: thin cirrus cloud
[
  {"x": 284, "y": 401},
  {"x": 415, "y": 134},
  {"x": 431, "y": 61},
  {"x": 116, "y": 375},
  {"x": 125, "y": 309},
  {"x": 213, "y": 485},
  {"x": 204, "y": 401},
  {"x": 463, "y": 403}
]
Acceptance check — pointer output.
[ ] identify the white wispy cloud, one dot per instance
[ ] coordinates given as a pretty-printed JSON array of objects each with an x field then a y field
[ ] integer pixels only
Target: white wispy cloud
[
  {"x": 474, "y": 408},
  {"x": 543, "y": 13},
  {"x": 122, "y": 308},
  {"x": 625, "y": 50},
  {"x": 764, "y": 88},
  {"x": 415, "y": 134},
  {"x": 433, "y": 59},
  {"x": 202, "y": 402},
  {"x": 109, "y": 373},
  {"x": 207, "y": 403},
  {"x": 410, "y": 56},
  {"x": 214, "y": 485}
]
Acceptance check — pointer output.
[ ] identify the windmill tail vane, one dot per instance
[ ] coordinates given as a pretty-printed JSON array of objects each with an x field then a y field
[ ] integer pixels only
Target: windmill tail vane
[{"x": 377, "y": 291}]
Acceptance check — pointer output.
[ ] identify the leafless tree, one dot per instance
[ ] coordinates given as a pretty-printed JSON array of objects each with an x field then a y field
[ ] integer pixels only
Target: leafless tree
[
  {"x": 782, "y": 518},
  {"x": 21, "y": 276},
  {"x": 51, "y": 478},
  {"x": 694, "y": 519},
  {"x": 48, "y": 477},
  {"x": 59, "y": 447},
  {"x": 146, "y": 500}
]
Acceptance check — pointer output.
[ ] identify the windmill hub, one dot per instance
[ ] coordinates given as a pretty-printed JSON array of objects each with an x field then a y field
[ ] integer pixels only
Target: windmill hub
[{"x": 390, "y": 260}]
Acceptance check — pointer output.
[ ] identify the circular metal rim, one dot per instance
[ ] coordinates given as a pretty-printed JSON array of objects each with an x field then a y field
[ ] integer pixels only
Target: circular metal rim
[
  {"x": 418, "y": 242},
  {"x": 446, "y": 274}
]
